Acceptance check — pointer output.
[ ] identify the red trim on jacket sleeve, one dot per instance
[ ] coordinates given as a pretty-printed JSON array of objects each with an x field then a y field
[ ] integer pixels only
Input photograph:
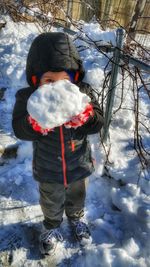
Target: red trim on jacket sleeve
[
  {"x": 81, "y": 118},
  {"x": 36, "y": 127}
]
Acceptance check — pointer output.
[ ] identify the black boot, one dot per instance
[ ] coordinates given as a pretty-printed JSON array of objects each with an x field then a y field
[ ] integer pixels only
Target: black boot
[
  {"x": 49, "y": 239},
  {"x": 81, "y": 231}
]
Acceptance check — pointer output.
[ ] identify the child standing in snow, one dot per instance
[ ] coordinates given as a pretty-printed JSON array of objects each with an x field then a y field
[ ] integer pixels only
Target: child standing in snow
[{"x": 61, "y": 156}]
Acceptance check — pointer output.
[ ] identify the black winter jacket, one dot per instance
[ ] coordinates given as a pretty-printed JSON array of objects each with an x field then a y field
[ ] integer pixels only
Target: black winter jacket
[
  {"x": 54, "y": 160},
  {"x": 48, "y": 165}
]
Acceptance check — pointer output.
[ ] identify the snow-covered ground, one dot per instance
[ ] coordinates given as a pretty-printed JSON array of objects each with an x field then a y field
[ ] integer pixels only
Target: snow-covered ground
[{"x": 117, "y": 204}]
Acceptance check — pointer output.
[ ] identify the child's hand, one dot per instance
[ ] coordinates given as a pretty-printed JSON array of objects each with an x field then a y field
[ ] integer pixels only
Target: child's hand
[
  {"x": 36, "y": 127},
  {"x": 81, "y": 118}
]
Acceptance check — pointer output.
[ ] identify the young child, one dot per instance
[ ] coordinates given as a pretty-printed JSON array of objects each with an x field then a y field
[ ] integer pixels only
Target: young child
[{"x": 62, "y": 157}]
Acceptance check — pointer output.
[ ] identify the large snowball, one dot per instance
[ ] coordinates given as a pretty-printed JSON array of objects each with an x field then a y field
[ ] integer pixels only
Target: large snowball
[{"x": 53, "y": 104}]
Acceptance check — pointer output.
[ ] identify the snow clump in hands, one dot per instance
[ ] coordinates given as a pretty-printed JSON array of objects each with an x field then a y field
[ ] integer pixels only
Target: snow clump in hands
[{"x": 54, "y": 104}]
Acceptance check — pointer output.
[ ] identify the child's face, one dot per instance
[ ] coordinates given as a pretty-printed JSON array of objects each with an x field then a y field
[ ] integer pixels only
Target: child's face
[{"x": 50, "y": 77}]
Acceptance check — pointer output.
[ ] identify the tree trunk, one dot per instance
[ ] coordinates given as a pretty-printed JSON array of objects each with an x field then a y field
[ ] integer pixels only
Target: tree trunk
[
  {"x": 139, "y": 8},
  {"x": 69, "y": 12},
  {"x": 106, "y": 13}
]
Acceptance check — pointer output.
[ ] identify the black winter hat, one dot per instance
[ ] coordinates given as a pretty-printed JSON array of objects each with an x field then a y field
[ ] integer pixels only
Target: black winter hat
[{"x": 52, "y": 51}]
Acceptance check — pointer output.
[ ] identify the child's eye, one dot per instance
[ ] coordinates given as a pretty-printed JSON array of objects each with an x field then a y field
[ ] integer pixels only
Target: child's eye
[{"x": 49, "y": 81}]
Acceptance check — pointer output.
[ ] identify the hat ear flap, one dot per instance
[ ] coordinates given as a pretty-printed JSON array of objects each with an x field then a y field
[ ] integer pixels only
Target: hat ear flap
[
  {"x": 79, "y": 76},
  {"x": 35, "y": 80},
  {"x": 81, "y": 71},
  {"x": 76, "y": 77}
]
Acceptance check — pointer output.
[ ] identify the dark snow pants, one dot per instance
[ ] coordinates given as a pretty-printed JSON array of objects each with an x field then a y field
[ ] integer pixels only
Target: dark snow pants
[{"x": 55, "y": 199}]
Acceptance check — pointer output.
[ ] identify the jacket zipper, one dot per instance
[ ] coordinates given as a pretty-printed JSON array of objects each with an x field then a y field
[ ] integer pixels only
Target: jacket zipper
[{"x": 63, "y": 156}]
